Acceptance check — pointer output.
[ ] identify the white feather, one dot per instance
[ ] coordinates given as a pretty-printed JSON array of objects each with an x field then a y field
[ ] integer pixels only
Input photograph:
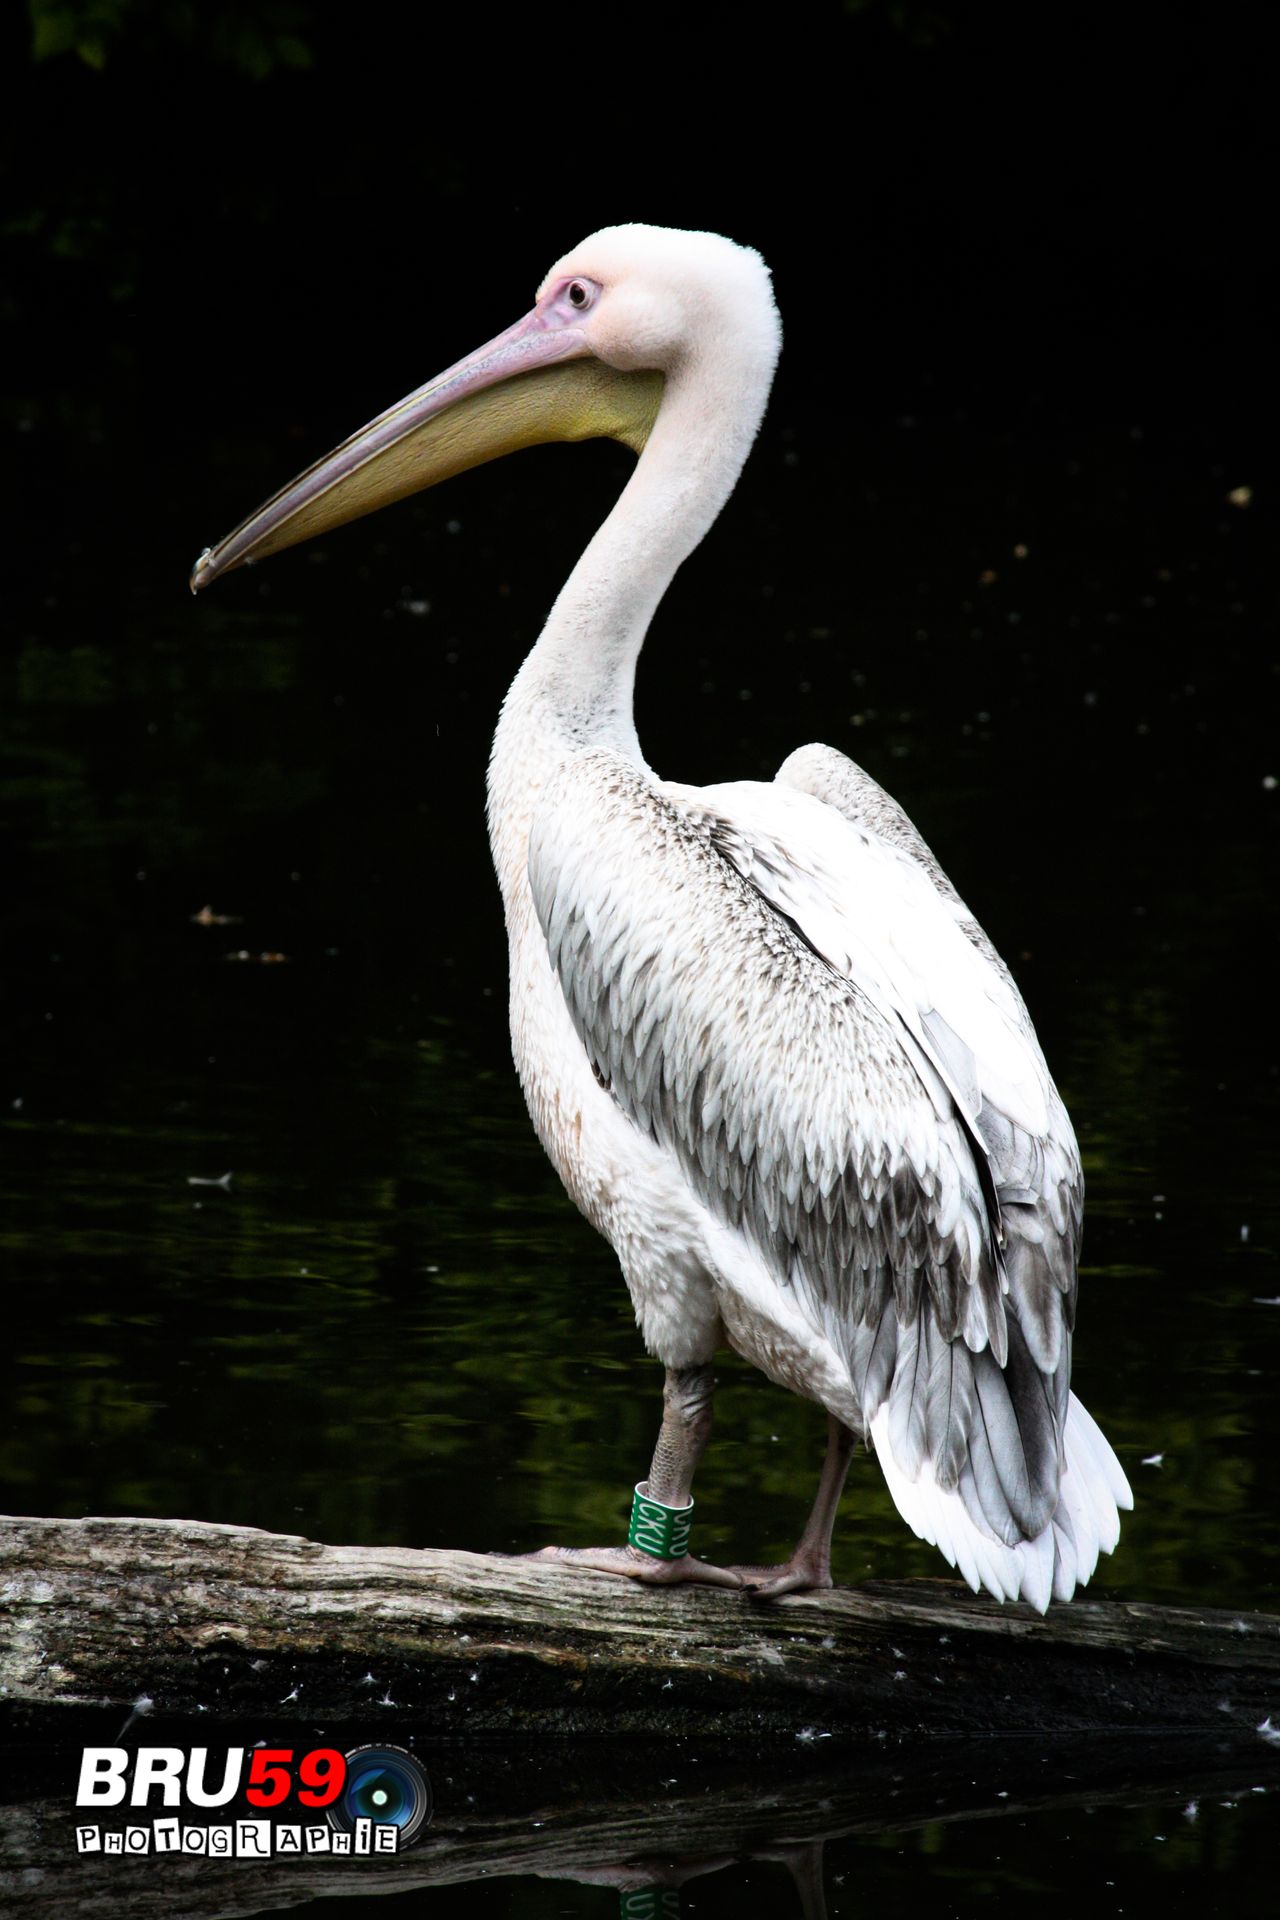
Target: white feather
[{"x": 1054, "y": 1564}]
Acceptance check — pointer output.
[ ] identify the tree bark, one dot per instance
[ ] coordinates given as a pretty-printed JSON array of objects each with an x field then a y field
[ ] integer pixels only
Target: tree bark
[{"x": 227, "y": 1621}]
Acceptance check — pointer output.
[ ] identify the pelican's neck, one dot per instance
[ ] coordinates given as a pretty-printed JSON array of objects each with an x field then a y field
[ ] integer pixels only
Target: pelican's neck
[
  {"x": 576, "y": 687},
  {"x": 583, "y": 666}
]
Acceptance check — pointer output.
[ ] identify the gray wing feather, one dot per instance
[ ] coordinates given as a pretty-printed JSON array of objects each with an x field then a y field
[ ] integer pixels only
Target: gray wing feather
[{"x": 799, "y": 1114}]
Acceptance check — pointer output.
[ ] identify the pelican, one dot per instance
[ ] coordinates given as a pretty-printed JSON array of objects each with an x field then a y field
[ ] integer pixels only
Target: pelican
[{"x": 772, "y": 1055}]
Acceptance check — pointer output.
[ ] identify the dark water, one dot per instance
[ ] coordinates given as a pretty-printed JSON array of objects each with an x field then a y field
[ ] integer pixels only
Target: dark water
[
  {"x": 388, "y": 1324},
  {"x": 1047, "y": 629},
  {"x": 391, "y": 1285}
]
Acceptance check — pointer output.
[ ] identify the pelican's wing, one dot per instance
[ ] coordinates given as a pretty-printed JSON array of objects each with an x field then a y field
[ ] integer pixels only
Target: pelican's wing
[
  {"x": 841, "y": 783},
  {"x": 1036, "y": 1166},
  {"x": 820, "y": 1085}
]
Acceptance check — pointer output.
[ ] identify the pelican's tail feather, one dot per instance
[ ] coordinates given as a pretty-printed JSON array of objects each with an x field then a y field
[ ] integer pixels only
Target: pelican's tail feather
[{"x": 1086, "y": 1523}]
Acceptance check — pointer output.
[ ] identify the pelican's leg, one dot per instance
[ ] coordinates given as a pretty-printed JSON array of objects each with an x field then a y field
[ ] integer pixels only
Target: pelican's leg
[
  {"x": 810, "y": 1563},
  {"x": 804, "y": 1862},
  {"x": 686, "y": 1426}
]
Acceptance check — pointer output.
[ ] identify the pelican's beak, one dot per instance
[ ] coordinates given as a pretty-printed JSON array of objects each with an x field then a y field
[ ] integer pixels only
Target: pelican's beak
[{"x": 536, "y": 382}]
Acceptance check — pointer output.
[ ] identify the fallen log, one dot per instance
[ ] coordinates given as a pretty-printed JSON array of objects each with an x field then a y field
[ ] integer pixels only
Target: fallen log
[{"x": 227, "y": 1621}]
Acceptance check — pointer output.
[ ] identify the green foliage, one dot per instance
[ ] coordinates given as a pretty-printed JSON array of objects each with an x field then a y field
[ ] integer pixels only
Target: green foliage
[
  {"x": 82, "y": 27},
  {"x": 920, "y": 25},
  {"x": 259, "y": 41}
]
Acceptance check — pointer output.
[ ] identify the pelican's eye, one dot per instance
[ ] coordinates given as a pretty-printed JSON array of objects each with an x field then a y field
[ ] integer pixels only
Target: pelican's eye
[{"x": 579, "y": 294}]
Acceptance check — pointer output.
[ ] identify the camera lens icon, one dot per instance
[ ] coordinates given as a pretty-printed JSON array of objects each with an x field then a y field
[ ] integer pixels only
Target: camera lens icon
[{"x": 384, "y": 1784}]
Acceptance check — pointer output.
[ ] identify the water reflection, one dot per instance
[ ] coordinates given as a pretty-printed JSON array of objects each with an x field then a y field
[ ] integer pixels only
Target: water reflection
[{"x": 941, "y": 1829}]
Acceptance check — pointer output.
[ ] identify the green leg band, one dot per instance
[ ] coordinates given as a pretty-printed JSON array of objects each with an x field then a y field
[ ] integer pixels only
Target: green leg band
[
  {"x": 649, "y": 1903},
  {"x": 661, "y": 1531}
]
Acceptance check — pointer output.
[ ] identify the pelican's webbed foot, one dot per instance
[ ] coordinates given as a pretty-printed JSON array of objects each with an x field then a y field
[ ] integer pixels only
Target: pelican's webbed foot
[
  {"x": 634, "y": 1565},
  {"x": 802, "y": 1573}
]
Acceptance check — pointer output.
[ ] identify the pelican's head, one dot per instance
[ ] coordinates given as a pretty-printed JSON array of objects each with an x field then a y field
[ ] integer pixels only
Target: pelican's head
[
  {"x": 625, "y": 309},
  {"x": 648, "y": 298}
]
